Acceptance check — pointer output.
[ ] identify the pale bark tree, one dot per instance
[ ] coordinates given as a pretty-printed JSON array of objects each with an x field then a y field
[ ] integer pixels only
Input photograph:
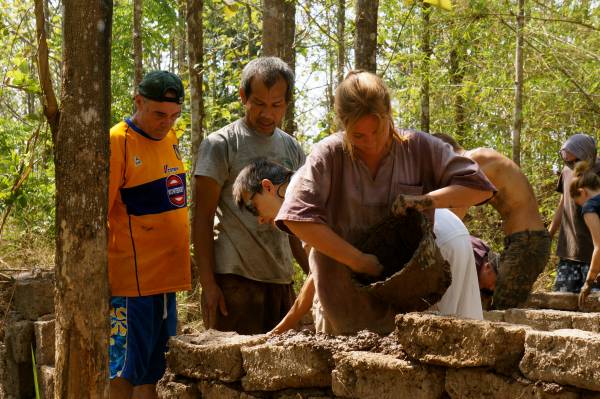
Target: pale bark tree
[
  {"x": 81, "y": 162},
  {"x": 426, "y": 54},
  {"x": 138, "y": 54},
  {"x": 341, "y": 38},
  {"x": 365, "y": 44},
  {"x": 518, "y": 113},
  {"x": 278, "y": 39}
]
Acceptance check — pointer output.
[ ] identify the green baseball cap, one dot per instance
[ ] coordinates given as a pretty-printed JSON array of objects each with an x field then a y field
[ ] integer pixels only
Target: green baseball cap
[{"x": 156, "y": 84}]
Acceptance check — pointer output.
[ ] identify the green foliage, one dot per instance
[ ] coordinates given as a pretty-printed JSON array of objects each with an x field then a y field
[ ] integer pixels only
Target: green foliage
[
  {"x": 472, "y": 64},
  {"x": 36, "y": 385}
]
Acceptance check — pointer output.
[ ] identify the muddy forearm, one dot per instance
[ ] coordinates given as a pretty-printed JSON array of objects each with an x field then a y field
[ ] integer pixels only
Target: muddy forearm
[
  {"x": 301, "y": 306},
  {"x": 323, "y": 239}
]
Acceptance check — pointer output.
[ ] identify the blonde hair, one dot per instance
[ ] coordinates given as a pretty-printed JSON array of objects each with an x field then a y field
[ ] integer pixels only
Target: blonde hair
[
  {"x": 584, "y": 177},
  {"x": 363, "y": 93}
]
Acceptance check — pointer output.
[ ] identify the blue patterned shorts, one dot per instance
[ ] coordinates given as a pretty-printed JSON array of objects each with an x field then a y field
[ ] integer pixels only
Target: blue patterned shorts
[{"x": 140, "y": 330}]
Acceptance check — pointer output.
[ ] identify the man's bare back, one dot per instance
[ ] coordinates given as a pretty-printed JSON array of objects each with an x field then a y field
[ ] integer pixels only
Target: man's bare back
[{"x": 515, "y": 200}]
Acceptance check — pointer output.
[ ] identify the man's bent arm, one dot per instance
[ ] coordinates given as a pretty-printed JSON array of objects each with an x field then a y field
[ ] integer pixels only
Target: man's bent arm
[
  {"x": 206, "y": 195},
  {"x": 299, "y": 253},
  {"x": 300, "y": 307},
  {"x": 556, "y": 220}
]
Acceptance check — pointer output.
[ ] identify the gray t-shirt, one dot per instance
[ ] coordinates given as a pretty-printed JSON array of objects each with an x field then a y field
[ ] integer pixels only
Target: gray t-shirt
[{"x": 242, "y": 246}]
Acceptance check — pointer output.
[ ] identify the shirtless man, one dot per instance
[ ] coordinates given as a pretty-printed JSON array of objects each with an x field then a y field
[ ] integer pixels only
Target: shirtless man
[{"x": 526, "y": 242}]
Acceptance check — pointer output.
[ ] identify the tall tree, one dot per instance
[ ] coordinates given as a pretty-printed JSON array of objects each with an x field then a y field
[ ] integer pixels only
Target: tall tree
[
  {"x": 278, "y": 39},
  {"x": 81, "y": 161},
  {"x": 341, "y": 40},
  {"x": 426, "y": 54},
  {"x": 457, "y": 73},
  {"x": 195, "y": 36},
  {"x": 138, "y": 55},
  {"x": 365, "y": 45},
  {"x": 518, "y": 113},
  {"x": 182, "y": 66}
]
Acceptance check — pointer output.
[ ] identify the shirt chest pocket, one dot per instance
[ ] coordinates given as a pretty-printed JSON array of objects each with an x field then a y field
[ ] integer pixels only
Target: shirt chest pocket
[{"x": 406, "y": 189}]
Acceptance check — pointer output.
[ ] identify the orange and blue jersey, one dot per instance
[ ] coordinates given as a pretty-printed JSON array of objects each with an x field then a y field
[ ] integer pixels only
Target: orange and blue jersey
[{"x": 148, "y": 227}]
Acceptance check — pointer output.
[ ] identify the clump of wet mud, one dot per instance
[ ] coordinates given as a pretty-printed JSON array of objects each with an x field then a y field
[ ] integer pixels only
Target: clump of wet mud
[
  {"x": 394, "y": 240},
  {"x": 362, "y": 341}
]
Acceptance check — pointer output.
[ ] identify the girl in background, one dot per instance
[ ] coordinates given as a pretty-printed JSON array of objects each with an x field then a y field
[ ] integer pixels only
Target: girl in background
[{"x": 585, "y": 191}]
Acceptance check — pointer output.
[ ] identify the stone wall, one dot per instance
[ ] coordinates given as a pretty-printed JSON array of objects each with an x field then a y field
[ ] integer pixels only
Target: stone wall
[
  {"x": 518, "y": 353},
  {"x": 550, "y": 352},
  {"x": 29, "y": 324}
]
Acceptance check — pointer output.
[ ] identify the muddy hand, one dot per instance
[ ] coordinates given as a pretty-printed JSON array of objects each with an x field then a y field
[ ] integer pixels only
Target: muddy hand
[
  {"x": 369, "y": 264},
  {"x": 418, "y": 202},
  {"x": 583, "y": 294}
]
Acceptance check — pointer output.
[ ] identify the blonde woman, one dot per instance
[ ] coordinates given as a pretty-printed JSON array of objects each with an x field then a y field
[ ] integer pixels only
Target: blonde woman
[{"x": 350, "y": 182}]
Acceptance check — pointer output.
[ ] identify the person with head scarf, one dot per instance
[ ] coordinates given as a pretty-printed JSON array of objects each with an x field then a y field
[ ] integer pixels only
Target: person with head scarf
[{"x": 575, "y": 246}]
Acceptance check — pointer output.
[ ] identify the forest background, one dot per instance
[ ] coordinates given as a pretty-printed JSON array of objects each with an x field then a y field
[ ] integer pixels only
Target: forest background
[{"x": 449, "y": 71}]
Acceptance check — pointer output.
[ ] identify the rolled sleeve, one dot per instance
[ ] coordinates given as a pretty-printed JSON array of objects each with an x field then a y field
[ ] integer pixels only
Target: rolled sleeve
[
  {"x": 212, "y": 160},
  {"x": 308, "y": 193}
]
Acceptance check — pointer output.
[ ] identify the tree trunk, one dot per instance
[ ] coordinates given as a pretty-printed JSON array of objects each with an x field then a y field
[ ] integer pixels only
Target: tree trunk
[
  {"x": 518, "y": 116},
  {"x": 50, "y": 104},
  {"x": 81, "y": 161},
  {"x": 426, "y": 54},
  {"x": 195, "y": 62},
  {"x": 278, "y": 39},
  {"x": 138, "y": 53},
  {"x": 182, "y": 66},
  {"x": 365, "y": 45},
  {"x": 457, "y": 74},
  {"x": 341, "y": 37}
]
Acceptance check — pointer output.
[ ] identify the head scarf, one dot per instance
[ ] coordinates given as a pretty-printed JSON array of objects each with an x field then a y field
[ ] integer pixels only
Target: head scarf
[{"x": 582, "y": 146}]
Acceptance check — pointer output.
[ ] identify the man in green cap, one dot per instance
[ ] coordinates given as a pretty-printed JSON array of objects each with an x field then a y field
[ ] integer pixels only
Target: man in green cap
[{"x": 148, "y": 235}]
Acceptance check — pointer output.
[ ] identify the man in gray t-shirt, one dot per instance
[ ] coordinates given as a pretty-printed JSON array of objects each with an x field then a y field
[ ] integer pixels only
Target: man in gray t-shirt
[{"x": 245, "y": 268}]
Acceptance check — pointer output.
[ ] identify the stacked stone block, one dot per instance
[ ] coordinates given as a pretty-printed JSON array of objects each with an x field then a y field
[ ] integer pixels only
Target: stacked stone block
[
  {"x": 427, "y": 356},
  {"x": 28, "y": 326}
]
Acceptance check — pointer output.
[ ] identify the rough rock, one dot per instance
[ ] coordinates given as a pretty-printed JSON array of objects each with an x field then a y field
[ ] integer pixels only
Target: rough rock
[
  {"x": 453, "y": 342},
  {"x": 586, "y": 321},
  {"x": 212, "y": 355},
  {"x": 44, "y": 342},
  {"x": 546, "y": 319},
  {"x": 34, "y": 294},
  {"x": 216, "y": 390},
  {"x": 19, "y": 339},
  {"x": 482, "y": 383},
  {"x": 371, "y": 375},
  {"x": 46, "y": 381},
  {"x": 171, "y": 386},
  {"x": 303, "y": 394},
  {"x": 271, "y": 367},
  {"x": 562, "y": 301},
  {"x": 494, "y": 315},
  {"x": 303, "y": 359},
  {"x": 563, "y": 356}
]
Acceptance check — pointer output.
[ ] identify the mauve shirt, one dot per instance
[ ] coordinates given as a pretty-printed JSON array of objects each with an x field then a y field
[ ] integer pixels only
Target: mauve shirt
[{"x": 334, "y": 189}]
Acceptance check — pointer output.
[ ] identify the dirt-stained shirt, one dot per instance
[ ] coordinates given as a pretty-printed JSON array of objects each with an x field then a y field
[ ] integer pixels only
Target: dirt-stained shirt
[
  {"x": 335, "y": 189},
  {"x": 242, "y": 246}
]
